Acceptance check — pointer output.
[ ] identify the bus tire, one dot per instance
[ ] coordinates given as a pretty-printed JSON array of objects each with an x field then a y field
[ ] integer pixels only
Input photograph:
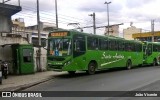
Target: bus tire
[
  {"x": 129, "y": 65},
  {"x": 154, "y": 62},
  {"x": 71, "y": 72},
  {"x": 91, "y": 68}
]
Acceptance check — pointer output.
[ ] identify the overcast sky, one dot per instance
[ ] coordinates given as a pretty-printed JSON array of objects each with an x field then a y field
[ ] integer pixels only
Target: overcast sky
[{"x": 140, "y": 12}]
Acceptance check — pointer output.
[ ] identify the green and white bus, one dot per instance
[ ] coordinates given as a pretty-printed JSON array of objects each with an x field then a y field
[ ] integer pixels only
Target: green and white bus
[
  {"x": 151, "y": 53},
  {"x": 72, "y": 51}
]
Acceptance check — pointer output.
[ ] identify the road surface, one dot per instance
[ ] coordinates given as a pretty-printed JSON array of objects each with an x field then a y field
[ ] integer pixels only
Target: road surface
[{"x": 137, "y": 79}]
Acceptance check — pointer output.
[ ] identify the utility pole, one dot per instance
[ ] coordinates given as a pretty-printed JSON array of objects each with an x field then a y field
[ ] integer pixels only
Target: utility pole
[
  {"x": 152, "y": 29},
  {"x": 19, "y": 2},
  {"x": 108, "y": 14},
  {"x": 39, "y": 36},
  {"x": 56, "y": 14},
  {"x": 94, "y": 22}
]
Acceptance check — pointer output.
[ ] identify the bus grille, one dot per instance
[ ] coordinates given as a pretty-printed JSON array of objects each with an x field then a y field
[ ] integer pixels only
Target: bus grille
[{"x": 56, "y": 59}]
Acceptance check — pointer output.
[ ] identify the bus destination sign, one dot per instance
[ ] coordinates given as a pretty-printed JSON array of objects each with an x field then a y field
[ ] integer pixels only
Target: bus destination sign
[{"x": 55, "y": 34}]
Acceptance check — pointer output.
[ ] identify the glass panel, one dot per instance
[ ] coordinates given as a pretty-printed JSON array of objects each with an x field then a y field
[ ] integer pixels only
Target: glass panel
[
  {"x": 92, "y": 43},
  {"x": 79, "y": 45},
  {"x": 27, "y": 55},
  {"x": 59, "y": 47},
  {"x": 35, "y": 41}
]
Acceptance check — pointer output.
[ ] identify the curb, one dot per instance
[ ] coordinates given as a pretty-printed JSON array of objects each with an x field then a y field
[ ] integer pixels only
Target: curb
[
  {"x": 22, "y": 87},
  {"x": 25, "y": 86}
]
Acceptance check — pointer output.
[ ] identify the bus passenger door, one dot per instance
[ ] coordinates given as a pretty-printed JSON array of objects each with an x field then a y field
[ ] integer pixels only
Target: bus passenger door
[
  {"x": 79, "y": 49},
  {"x": 149, "y": 50}
]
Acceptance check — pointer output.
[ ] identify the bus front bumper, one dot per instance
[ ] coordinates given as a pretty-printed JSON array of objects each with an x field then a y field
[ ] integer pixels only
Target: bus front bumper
[{"x": 55, "y": 67}]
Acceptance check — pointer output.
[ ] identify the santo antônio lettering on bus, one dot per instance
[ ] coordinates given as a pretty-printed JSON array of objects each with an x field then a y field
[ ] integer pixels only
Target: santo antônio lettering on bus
[
  {"x": 56, "y": 34},
  {"x": 104, "y": 56}
]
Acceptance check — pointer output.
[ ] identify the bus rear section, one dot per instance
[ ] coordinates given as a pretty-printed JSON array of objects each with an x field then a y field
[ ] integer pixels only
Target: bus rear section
[{"x": 151, "y": 53}]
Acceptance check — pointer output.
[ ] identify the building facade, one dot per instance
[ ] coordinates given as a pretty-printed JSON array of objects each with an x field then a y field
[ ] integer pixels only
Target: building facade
[
  {"x": 113, "y": 30},
  {"x": 45, "y": 28},
  {"x": 25, "y": 35},
  {"x": 32, "y": 31},
  {"x": 147, "y": 36},
  {"x": 127, "y": 33}
]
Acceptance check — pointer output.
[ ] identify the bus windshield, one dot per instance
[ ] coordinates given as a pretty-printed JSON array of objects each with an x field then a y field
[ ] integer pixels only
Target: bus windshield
[{"x": 60, "y": 46}]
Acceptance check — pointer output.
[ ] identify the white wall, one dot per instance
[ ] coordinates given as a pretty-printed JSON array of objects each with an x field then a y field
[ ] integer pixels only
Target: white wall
[{"x": 43, "y": 59}]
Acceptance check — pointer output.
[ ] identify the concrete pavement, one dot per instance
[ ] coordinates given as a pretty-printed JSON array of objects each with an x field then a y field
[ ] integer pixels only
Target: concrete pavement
[{"x": 19, "y": 82}]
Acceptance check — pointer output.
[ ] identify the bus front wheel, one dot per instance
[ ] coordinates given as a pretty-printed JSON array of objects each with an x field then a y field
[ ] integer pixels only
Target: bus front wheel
[
  {"x": 91, "y": 68},
  {"x": 129, "y": 64}
]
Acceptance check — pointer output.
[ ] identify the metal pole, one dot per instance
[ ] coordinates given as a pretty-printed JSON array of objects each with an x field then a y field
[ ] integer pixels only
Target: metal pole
[
  {"x": 39, "y": 35},
  {"x": 56, "y": 14},
  {"x": 108, "y": 14},
  {"x": 108, "y": 17},
  {"x": 19, "y": 2},
  {"x": 152, "y": 28},
  {"x": 94, "y": 23}
]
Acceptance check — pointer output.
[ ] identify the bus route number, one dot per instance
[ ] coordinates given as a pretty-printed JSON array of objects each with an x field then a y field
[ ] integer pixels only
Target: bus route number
[{"x": 59, "y": 34}]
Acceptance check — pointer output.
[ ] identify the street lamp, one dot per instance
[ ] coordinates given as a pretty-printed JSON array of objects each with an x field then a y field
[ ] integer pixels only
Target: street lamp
[
  {"x": 56, "y": 14},
  {"x": 108, "y": 14}
]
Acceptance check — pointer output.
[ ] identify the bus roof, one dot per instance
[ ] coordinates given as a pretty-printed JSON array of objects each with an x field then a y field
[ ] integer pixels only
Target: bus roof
[{"x": 94, "y": 35}]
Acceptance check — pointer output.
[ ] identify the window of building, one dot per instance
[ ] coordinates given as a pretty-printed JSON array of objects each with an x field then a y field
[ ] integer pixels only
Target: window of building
[
  {"x": 27, "y": 55},
  {"x": 36, "y": 43}
]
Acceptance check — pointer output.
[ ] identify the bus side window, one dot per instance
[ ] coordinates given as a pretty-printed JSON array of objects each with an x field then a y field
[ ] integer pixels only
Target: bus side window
[
  {"x": 126, "y": 46},
  {"x": 79, "y": 45},
  {"x": 109, "y": 44},
  {"x": 155, "y": 48},
  {"x": 149, "y": 49},
  {"x": 92, "y": 43},
  {"x": 112, "y": 45},
  {"x": 116, "y": 45},
  {"x": 120, "y": 45},
  {"x": 103, "y": 44}
]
